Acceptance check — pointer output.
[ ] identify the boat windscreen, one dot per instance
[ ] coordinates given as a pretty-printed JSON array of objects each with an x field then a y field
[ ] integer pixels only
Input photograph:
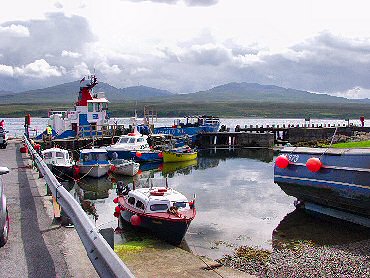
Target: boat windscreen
[
  {"x": 59, "y": 155},
  {"x": 124, "y": 140},
  {"x": 157, "y": 207},
  {"x": 179, "y": 204}
]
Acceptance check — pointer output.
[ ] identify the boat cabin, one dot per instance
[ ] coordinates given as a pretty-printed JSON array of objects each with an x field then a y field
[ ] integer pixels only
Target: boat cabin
[
  {"x": 132, "y": 142},
  {"x": 93, "y": 156},
  {"x": 156, "y": 199},
  {"x": 56, "y": 156}
]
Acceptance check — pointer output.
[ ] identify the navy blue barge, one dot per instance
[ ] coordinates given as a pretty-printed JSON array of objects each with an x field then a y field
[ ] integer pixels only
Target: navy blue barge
[{"x": 336, "y": 179}]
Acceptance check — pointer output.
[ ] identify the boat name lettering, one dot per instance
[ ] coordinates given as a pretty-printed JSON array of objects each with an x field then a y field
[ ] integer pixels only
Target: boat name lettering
[{"x": 293, "y": 157}]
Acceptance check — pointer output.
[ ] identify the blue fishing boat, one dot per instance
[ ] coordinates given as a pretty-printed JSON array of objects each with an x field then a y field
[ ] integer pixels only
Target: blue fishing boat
[
  {"x": 147, "y": 155},
  {"x": 192, "y": 126},
  {"x": 330, "y": 181},
  {"x": 94, "y": 162}
]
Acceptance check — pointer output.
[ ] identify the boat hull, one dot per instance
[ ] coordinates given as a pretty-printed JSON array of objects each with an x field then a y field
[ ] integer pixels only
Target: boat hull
[
  {"x": 147, "y": 156},
  {"x": 62, "y": 172},
  {"x": 170, "y": 231},
  {"x": 127, "y": 169},
  {"x": 95, "y": 171},
  {"x": 179, "y": 157},
  {"x": 121, "y": 154},
  {"x": 342, "y": 183}
]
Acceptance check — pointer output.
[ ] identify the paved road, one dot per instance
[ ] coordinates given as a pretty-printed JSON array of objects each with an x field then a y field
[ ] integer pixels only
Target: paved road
[{"x": 37, "y": 247}]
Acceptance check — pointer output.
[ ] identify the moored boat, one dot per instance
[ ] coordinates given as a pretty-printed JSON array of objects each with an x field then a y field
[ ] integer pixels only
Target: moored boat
[
  {"x": 331, "y": 179},
  {"x": 60, "y": 163},
  {"x": 89, "y": 117},
  {"x": 94, "y": 162},
  {"x": 147, "y": 155},
  {"x": 179, "y": 155},
  {"x": 164, "y": 211},
  {"x": 124, "y": 167},
  {"x": 192, "y": 126},
  {"x": 128, "y": 145}
]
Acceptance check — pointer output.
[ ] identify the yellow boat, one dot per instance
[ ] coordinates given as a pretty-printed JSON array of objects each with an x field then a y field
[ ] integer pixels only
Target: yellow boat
[
  {"x": 172, "y": 167},
  {"x": 171, "y": 156}
]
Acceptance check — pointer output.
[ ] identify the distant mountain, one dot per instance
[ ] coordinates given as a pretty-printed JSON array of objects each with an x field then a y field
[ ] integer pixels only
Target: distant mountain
[
  {"x": 231, "y": 92},
  {"x": 4, "y": 93},
  {"x": 253, "y": 92},
  {"x": 68, "y": 92}
]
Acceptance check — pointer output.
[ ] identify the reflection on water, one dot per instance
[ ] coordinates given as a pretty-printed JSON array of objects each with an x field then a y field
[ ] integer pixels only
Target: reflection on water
[
  {"x": 237, "y": 202},
  {"x": 319, "y": 230}
]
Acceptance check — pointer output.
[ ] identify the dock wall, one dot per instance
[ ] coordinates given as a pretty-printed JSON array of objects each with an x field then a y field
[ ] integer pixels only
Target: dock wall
[{"x": 235, "y": 139}]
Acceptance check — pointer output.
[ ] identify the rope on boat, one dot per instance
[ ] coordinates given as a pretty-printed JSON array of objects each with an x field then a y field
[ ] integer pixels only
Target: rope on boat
[{"x": 331, "y": 142}]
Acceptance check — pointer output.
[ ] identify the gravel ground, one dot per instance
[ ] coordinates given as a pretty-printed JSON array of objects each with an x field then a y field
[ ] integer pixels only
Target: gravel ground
[{"x": 305, "y": 260}]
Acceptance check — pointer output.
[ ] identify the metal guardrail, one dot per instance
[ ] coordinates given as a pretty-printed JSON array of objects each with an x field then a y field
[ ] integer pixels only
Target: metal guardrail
[{"x": 104, "y": 259}]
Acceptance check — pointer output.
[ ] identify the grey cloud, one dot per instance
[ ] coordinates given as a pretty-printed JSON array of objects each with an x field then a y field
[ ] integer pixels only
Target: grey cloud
[
  {"x": 41, "y": 51},
  {"x": 187, "y": 2},
  {"x": 324, "y": 63},
  {"x": 201, "y": 2}
]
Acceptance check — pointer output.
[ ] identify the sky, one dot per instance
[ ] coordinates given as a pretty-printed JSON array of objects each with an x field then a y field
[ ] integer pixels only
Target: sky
[{"x": 186, "y": 46}]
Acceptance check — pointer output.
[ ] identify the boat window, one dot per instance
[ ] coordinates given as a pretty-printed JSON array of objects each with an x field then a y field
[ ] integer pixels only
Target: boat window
[
  {"x": 131, "y": 141},
  {"x": 140, "y": 205},
  {"x": 140, "y": 140},
  {"x": 157, "y": 207},
  {"x": 59, "y": 155},
  {"x": 179, "y": 204},
  {"x": 123, "y": 140},
  {"x": 99, "y": 156},
  {"x": 47, "y": 155},
  {"x": 86, "y": 157},
  {"x": 90, "y": 107},
  {"x": 97, "y": 107},
  {"x": 131, "y": 200}
]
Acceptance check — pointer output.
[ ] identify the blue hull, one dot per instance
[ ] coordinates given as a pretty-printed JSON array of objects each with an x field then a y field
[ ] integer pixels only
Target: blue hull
[
  {"x": 342, "y": 183},
  {"x": 147, "y": 156}
]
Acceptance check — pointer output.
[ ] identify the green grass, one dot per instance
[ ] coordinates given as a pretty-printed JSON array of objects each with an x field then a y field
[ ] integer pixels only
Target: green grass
[{"x": 350, "y": 145}]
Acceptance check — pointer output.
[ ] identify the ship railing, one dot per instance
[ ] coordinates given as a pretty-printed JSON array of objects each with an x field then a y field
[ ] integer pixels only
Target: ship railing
[
  {"x": 100, "y": 130},
  {"x": 104, "y": 259}
]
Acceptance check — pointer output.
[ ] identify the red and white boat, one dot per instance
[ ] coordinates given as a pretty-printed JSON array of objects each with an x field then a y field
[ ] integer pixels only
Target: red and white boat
[{"x": 164, "y": 211}]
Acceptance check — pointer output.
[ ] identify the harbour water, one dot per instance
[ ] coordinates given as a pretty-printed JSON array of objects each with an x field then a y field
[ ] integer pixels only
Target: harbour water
[{"x": 237, "y": 201}]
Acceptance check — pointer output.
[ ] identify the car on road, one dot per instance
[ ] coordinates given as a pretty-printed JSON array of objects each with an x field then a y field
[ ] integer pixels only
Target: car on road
[
  {"x": 3, "y": 138},
  {"x": 4, "y": 216}
]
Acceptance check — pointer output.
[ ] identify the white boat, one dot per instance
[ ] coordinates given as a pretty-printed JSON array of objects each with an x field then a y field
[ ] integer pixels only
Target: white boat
[
  {"x": 125, "y": 167},
  {"x": 94, "y": 162},
  {"x": 59, "y": 162},
  {"x": 127, "y": 144},
  {"x": 164, "y": 211}
]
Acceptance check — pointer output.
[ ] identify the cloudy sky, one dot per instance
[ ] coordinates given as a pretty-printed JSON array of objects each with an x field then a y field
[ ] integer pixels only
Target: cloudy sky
[{"x": 188, "y": 45}]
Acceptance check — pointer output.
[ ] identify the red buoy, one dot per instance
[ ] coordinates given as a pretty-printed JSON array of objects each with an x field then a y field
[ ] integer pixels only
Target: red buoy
[
  {"x": 282, "y": 161},
  {"x": 314, "y": 164},
  {"x": 139, "y": 154},
  {"x": 135, "y": 220},
  {"x": 116, "y": 214},
  {"x": 76, "y": 171},
  {"x": 113, "y": 168},
  {"x": 115, "y": 200},
  {"x": 160, "y": 155},
  {"x": 117, "y": 209}
]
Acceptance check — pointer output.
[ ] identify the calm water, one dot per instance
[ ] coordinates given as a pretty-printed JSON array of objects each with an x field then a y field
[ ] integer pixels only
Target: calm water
[{"x": 236, "y": 199}]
